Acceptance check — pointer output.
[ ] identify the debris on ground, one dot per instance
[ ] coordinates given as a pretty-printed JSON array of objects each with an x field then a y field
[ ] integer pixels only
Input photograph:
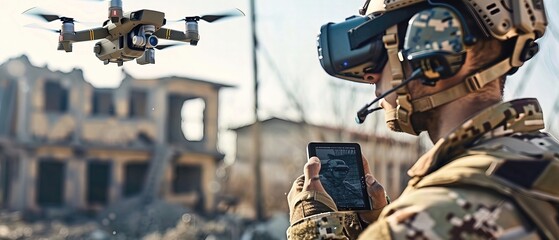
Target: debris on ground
[{"x": 157, "y": 220}]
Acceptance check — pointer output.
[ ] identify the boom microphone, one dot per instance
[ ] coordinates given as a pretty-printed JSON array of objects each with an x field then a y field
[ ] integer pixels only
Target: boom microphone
[{"x": 364, "y": 111}]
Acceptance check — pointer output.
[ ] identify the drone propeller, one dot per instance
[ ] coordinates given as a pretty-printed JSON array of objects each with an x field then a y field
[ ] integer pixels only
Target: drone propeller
[
  {"x": 214, "y": 17},
  {"x": 47, "y": 17},
  {"x": 34, "y": 25},
  {"x": 163, "y": 46}
]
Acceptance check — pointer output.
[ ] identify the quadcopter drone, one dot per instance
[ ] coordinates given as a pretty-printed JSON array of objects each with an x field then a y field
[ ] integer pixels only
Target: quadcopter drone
[{"x": 131, "y": 35}]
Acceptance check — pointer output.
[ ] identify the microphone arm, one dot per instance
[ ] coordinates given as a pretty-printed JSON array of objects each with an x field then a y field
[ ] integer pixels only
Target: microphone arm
[{"x": 364, "y": 111}]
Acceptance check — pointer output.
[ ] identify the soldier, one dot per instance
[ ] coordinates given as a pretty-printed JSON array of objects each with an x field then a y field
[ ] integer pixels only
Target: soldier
[
  {"x": 333, "y": 179},
  {"x": 492, "y": 172}
]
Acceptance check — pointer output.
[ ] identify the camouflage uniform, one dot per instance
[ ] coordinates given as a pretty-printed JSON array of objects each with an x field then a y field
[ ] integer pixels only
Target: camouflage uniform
[{"x": 494, "y": 177}]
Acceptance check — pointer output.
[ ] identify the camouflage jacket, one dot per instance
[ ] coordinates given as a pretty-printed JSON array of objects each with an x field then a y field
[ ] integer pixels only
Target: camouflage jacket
[{"x": 493, "y": 177}]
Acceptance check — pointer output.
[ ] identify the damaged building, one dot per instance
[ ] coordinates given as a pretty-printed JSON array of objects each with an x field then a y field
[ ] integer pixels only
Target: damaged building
[{"x": 65, "y": 144}]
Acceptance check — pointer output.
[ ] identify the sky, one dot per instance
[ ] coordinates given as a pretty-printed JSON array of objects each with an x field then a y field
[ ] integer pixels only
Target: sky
[
  {"x": 286, "y": 30},
  {"x": 287, "y": 58}
]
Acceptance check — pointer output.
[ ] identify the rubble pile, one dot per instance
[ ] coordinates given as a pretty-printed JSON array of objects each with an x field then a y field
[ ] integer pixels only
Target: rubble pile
[
  {"x": 136, "y": 217},
  {"x": 14, "y": 226},
  {"x": 130, "y": 219}
]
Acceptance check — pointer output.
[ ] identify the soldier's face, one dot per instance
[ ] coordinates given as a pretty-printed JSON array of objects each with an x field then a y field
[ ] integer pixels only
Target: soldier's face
[
  {"x": 340, "y": 172},
  {"x": 382, "y": 84}
]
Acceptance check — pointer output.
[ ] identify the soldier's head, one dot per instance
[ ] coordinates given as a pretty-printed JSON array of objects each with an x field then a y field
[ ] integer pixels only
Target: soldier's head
[
  {"x": 336, "y": 169},
  {"x": 449, "y": 48}
]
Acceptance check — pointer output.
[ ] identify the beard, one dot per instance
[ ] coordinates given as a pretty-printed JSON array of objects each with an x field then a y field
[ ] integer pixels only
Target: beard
[{"x": 418, "y": 121}]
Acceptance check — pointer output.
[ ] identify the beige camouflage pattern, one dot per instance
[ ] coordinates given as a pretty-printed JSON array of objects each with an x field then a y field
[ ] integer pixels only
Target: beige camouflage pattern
[
  {"x": 331, "y": 225},
  {"x": 439, "y": 205},
  {"x": 456, "y": 191},
  {"x": 445, "y": 213}
]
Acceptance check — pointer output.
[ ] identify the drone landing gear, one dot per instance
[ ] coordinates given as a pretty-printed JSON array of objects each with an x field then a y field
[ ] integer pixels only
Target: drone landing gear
[
  {"x": 147, "y": 58},
  {"x": 118, "y": 62}
]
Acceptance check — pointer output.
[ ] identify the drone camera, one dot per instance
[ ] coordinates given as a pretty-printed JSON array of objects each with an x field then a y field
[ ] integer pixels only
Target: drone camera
[
  {"x": 152, "y": 41},
  {"x": 139, "y": 41},
  {"x": 149, "y": 41}
]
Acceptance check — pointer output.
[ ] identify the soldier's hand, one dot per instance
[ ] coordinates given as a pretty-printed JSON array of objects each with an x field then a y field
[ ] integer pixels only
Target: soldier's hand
[
  {"x": 309, "y": 181},
  {"x": 311, "y": 172},
  {"x": 376, "y": 193}
]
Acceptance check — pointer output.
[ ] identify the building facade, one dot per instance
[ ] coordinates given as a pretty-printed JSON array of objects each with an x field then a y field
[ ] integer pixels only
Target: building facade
[{"x": 65, "y": 144}]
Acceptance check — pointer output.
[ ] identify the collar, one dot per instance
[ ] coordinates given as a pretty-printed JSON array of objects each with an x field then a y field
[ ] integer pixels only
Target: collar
[{"x": 502, "y": 119}]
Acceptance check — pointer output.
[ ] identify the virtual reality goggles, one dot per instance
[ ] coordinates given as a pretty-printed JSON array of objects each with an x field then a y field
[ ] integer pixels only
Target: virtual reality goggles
[{"x": 352, "y": 48}]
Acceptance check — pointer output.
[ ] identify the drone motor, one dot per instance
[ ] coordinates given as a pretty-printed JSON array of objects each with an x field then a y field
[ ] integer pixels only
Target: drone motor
[
  {"x": 191, "y": 31},
  {"x": 66, "y": 33},
  {"x": 67, "y": 27},
  {"x": 115, "y": 11}
]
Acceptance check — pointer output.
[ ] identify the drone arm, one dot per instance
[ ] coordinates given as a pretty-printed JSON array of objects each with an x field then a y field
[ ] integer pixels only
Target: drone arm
[
  {"x": 170, "y": 34},
  {"x": 90, "y": 34}
]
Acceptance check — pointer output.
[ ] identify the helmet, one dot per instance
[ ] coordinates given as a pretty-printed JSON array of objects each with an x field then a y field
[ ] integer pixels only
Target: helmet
[
  {"x": 337, "y": 169},
  {"x": 502, "y": 19},
  {"x": 433, "y": 39},
  {"x": 337, "y": 165}
]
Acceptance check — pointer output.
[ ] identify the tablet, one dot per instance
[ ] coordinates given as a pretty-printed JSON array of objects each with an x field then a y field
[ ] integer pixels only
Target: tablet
[{"x": 342, "y": 174}]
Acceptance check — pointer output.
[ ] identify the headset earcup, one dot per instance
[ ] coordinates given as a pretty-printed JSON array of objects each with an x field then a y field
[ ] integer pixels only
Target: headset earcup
[{"x": 435, "y": 43}]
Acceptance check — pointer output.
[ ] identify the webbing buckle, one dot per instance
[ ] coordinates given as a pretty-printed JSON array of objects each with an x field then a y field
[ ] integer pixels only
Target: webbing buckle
[
  {"x": 390, "y": 41},
  {"x": 473, "y": 84}
]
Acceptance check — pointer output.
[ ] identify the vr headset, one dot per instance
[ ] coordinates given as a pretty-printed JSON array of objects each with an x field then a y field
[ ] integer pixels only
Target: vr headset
[{"x": 352, "y": 48}]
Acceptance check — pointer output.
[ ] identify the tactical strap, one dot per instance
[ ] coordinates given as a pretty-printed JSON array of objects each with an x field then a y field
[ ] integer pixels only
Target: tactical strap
[
  {"x": 404, "y": 109},
  {"x": 470, "y": 84},
  {"x": 391, "y": 44},
  {"x": 476, "y": 81}
]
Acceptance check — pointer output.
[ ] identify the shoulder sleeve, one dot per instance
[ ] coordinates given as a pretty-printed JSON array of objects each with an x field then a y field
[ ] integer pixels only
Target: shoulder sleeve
[
  {"x": 450, "y": 213},
  {"x": 309, "y": 203}
]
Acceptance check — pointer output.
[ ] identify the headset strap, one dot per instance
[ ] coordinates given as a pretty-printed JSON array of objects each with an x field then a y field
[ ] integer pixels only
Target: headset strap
[
  {"x": 471, "y": 84},
  {"x": 391, "y": 44},
  {"x": 404, "y": 109}
]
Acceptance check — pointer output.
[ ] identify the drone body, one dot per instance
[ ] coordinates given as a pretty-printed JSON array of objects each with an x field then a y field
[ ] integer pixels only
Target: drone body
[{"x": 132, "y": 35}]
